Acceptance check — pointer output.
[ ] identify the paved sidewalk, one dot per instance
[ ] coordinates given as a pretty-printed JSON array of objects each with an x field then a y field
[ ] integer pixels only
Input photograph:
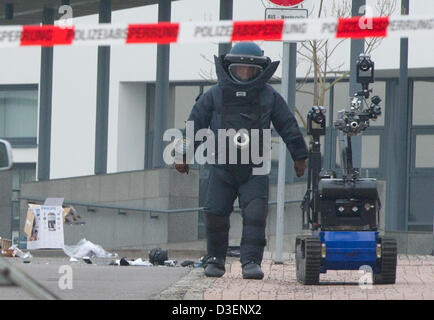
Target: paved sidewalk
[{"x": 415, "y": 280}]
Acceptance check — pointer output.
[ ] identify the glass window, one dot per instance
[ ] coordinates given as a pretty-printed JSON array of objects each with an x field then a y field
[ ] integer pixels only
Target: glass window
[
  {"x": 184, "y": 100},
  {"x": 423, "y": 98},
  {"x": 275, "y": 147},
  {"x": 304, "y": 100},
  {"x": 341, "y": 98},
  {"x": 18, "y": 113},
  {"x": 424, "y": 151},
  {"x": 421, "y": 203},
  {"x": 370, "y": 151}
]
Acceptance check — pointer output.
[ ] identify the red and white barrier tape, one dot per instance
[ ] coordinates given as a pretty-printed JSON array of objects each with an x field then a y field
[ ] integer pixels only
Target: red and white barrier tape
[{"x": 217, "y": 32}]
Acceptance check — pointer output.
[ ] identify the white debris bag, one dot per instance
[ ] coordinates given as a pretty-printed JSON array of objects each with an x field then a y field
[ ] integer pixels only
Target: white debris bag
[{"x": 86, "y": 248}]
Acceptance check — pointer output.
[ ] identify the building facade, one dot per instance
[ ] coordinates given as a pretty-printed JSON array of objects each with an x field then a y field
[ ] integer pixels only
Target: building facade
[{"x": 132, "y": 102}]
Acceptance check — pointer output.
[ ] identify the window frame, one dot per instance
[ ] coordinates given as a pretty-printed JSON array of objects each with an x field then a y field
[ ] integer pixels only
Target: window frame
[{"x": 22, "y": 142}]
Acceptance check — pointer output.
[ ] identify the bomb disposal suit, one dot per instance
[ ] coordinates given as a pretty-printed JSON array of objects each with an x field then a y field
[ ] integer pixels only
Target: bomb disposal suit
[{"x": 242, "y": 99}]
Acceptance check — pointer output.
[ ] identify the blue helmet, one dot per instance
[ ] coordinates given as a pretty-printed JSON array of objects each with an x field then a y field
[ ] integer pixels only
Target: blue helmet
[
  {"x": 245, "y": 62},
  {"x": 247, "y": 48}
]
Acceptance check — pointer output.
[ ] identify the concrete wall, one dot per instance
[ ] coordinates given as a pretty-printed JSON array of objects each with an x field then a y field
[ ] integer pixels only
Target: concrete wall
[
  {"x": 5, "y": 203},
  {"x": 154, "y": 189}
]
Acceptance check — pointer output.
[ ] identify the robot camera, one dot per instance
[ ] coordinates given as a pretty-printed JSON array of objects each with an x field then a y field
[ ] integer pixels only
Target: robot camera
[
  {"x": 316, "y": 121},
  {"x": 365, "y": 69},
  {"x": 365, "y": 74}
]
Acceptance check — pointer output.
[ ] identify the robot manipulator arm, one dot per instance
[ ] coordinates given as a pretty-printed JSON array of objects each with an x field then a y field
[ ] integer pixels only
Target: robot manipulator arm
[
  {"x": 316, "y": 125},
  {"x": 352, "y": 122}
]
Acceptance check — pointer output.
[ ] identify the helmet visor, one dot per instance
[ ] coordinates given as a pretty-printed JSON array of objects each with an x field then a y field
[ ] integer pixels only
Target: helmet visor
[{"x": 244, "y": 72}]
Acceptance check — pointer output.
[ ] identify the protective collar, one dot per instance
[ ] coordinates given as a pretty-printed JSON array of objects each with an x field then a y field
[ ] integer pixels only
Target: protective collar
[{"x": 225, "y": 80}]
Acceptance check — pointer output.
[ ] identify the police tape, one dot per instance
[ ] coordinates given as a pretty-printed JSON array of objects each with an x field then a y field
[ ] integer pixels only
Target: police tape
[{"x": 217, "y": 31}]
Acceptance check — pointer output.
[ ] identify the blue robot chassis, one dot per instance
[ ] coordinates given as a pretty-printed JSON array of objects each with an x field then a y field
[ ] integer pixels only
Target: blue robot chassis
[{"x": 343, "y": 213}]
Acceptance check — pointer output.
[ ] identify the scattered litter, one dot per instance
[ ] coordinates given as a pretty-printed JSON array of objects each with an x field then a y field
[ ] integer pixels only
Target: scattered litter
[
  {"x": 187, "y": 263},
  {"x": 11, "y": 251},
  {"x": 191, "y": 263},
  {"x": 114, "y": 263},
  {"x": 157, "y": 256},
  {"x": 140, "y": 262},
  {"x": 5, "y": 244},
  {"x": 26, "y": 257},
  {"x": 8, "y": 253},
  {"x": 43, "y": 225},
  {"x": 73, "y": 218},
  {"x": 86, "y": 250},
  {"x": 126, "y": 262},
  {"x": 170, "y": 263},
  {"x": 87, "y": 260}
]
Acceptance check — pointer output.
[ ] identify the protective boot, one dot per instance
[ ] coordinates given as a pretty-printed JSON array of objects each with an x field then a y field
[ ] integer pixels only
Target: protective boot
[
  {"x": 253, "y": 238},
  {"x": 215, "y": 267},
  {"x": 217, "y": 235},
  {"x": 252, "y": 270}
]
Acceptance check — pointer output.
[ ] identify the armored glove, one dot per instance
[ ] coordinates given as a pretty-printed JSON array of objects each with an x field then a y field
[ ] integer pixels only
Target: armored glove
[
  {"x": 299, "y": 167},
  {"x": 182, "y": 167}
]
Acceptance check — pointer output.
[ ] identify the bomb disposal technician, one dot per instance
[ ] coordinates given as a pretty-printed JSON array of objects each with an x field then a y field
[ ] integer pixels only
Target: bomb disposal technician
[{"x": 242, "y": 99}]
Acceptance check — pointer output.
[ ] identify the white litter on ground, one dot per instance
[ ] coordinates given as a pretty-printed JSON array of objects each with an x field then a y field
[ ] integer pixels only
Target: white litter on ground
[{"x": 86, "y": 248}]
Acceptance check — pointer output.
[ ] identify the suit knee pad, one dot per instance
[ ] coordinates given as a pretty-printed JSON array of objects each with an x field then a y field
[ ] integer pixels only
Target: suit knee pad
[{"x": 216, "y": 223}]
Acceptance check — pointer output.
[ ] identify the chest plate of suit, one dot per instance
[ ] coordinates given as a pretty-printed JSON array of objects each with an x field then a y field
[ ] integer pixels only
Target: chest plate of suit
[{"x": 240, "y": 109}]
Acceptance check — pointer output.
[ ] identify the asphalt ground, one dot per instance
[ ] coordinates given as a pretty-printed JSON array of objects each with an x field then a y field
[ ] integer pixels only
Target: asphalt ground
[{"x": 97, "y": 281}]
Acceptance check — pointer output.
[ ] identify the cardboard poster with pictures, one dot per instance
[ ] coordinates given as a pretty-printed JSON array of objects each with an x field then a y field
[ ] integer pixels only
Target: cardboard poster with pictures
[{"x": 44, "y": 227}]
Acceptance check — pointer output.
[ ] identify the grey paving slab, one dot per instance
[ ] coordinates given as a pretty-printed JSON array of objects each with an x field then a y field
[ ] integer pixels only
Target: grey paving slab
[{"x": 95, "y": 282}]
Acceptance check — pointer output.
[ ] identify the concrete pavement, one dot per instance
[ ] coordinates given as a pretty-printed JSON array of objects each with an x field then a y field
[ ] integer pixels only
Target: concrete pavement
[{"x": 94, "y": 282}]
